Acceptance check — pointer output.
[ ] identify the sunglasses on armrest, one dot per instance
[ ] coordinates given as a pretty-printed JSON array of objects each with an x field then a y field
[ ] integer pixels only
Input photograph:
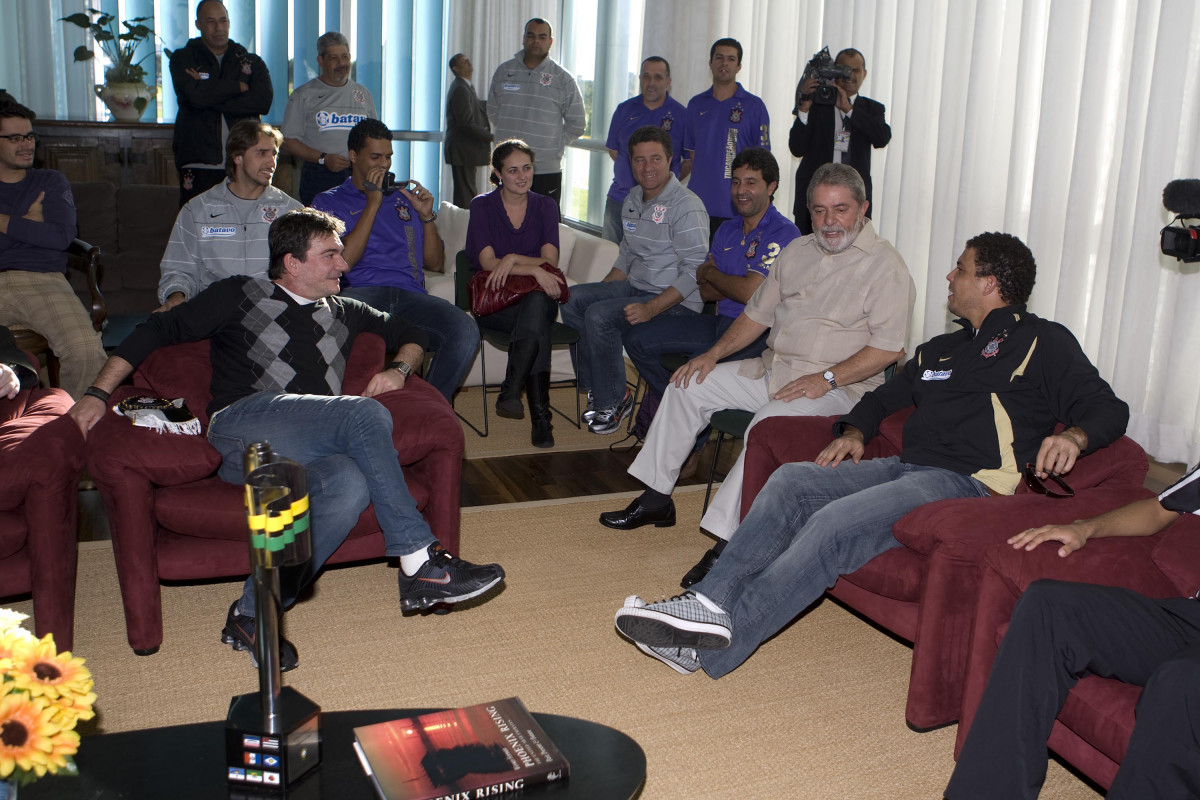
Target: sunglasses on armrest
[{"x": 1036, "y": 484}]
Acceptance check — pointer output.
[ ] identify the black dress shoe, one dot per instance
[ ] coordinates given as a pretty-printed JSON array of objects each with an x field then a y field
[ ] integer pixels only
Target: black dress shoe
[
  {"x": 636, "y": 515},
  {"x": 697, "y": 573}
]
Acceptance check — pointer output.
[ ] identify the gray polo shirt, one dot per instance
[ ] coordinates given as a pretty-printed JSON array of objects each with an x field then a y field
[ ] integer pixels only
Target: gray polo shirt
[
  {"x": 321, "y": 116},
  {"x": 665, "y": 240},
  {"x": 217, "y": 235},
  {"x": 542, "y": 105}
]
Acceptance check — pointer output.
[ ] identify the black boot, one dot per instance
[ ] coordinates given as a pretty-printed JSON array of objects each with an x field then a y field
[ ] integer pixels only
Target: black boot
[
  {"x": 521, "y": 354},
  {"x": 537, "y": 391}
]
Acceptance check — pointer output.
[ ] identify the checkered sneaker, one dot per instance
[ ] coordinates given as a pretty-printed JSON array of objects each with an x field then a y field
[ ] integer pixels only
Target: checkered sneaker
[
  {"x": 681, "y": 621},
  {"x": 681, "y": 659}
]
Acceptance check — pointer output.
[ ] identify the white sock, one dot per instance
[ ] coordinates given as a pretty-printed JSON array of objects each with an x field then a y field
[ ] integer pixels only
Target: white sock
[
  {"x": 709, "y": 604},
  {"x": 412, "y": 562}
]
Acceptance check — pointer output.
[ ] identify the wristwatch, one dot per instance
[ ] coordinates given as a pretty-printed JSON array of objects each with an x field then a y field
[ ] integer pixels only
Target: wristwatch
[
  {"x": 828, "y": 376},
  {"x": 321, "y": 160},
  {"x": 402, "y": 366},
  {"x": 432, "y": 217}
]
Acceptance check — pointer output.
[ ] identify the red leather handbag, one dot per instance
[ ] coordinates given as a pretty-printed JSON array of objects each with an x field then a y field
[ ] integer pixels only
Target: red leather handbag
[{"x": 485, "y": 300}]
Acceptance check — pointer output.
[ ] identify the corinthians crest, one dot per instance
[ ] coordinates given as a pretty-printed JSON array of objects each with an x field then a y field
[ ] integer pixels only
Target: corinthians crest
[
  {"x": 668, "y": 121},
  {"x": 269, "y": 213},
  {"x": 992, "y": 348},
  {"x": 752, "y": 249},
  {"x": 735, "y": 114},
  {"x": 403, "y": 212},
  {"x": 359, "y": 96},
  {"x": 546, "y": 78},
  {"x": 660, "y": 213}
]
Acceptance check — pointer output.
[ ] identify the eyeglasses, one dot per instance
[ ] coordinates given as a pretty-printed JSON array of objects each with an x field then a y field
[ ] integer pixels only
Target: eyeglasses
[
  {"x": 1036, "y": 484},
  {"x": 17, "y": 138}
]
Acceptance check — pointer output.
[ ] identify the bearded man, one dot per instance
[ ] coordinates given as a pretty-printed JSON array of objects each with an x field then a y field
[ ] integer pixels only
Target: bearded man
[{"x": 837, "y": 303}]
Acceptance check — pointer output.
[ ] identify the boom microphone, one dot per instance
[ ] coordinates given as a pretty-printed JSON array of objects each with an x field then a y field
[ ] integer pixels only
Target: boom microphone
[{"x": 1182, "y": 197}]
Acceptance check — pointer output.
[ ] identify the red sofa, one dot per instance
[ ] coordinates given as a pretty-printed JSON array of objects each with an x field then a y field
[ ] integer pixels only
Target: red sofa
[
  {"x": 924, "y": 591},
  {"x": 1092, "y": 731},
  {"x": 41, "y": 458},
  {"x": 172, "y": 518}
]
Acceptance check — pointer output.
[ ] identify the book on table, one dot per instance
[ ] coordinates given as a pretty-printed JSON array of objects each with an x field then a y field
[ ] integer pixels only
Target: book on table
[{"x": 486, "y": 750}]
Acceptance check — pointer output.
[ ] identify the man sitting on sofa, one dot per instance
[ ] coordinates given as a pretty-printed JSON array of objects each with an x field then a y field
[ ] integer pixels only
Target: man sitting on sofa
[
  {"x": 279, "y": 348},
  {"x": 390, "y": 241},
  {"x": 987, "y": 399},
  {"x": 223, "y": 231},
  {"x": 1063, "y": 631}
]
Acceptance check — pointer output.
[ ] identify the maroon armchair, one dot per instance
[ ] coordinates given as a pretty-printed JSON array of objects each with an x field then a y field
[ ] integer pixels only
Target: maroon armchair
[
  {"x": 925, "y": 590},
  {"x": 41, "y": 458},
  {"x": 1092, "y": 731},
  {"x": 172, "y": 518}
]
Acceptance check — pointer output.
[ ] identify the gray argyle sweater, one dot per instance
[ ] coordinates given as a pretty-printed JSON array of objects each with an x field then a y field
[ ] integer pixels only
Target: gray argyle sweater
[{"x": 262, "y": 340}]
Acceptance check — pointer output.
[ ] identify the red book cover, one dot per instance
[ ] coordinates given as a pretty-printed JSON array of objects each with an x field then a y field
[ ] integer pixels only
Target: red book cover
[{"x": 486, "y": 750}]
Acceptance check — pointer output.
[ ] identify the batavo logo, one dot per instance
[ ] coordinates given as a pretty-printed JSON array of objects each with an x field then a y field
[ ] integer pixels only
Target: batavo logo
[{"x": 333, "y": 121}]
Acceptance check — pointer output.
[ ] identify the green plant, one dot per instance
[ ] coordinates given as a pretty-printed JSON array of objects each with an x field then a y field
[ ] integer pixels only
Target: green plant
[{"x": 119, "y": 47}]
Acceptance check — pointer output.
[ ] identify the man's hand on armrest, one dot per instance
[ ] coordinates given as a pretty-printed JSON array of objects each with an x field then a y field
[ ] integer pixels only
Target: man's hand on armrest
[
  {"x": 851, "y": 443},
  {"x": 1142, "y": 518},
  {"x": 1058, "y": 453}
]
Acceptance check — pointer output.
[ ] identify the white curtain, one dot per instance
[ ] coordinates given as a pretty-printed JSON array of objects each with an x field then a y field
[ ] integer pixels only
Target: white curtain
[{"x": 1059, "y": 122}]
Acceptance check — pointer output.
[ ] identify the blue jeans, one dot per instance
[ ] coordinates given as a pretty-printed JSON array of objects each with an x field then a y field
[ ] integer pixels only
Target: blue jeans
[
  {"x": 807, "y": 526},
  {"x": 597, "y": 311},
  {"x": 689, "y": 335},
  {"x": 612, "y": 229},
  {"x": 345, "y": 445},
  {"x": 453, "y": 337}
]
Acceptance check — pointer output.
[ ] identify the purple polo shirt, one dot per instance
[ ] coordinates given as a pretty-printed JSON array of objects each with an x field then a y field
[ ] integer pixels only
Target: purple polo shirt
[
  {"x": 739, "y": 254},
  {"x": 671, "y": 116},
  {"x": 490, "y": 226},
  {"x": 394, "y": 255},
  {"x": 717, "y": 130}
]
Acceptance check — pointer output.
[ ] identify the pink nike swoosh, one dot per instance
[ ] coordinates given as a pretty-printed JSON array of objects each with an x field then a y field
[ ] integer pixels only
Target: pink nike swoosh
[{"x": 444, "y": 579}]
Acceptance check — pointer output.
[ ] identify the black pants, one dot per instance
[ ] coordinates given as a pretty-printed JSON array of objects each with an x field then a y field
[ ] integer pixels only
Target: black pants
[
  {"x": 1059, "y": 633},
  {"x": 194, "y": 181},
  {"x": 315, "y": 179},
  {"x": 464, "y": 184},
  {"x": 530, "y": 318},
  {"x": 549, "y": 183}
]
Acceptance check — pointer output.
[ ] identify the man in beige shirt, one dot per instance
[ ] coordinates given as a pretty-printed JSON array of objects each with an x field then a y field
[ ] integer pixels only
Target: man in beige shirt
[{"x": 837, "y": 303}]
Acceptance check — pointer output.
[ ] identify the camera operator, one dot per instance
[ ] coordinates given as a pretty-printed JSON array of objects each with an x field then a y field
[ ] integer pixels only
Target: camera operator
[{"x": 843, "y": 132}]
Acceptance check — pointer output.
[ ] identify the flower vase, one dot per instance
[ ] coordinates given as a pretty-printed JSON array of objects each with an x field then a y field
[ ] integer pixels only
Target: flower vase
[
  {"x": 8, "y": 790},
  {"x": 126, "y": 102}
]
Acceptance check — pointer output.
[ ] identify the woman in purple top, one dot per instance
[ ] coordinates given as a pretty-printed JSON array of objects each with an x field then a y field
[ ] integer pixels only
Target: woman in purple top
[{"x": 513, "y": 231}]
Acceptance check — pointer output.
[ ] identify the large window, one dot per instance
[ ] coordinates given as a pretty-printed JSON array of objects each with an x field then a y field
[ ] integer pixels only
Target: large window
[
  {"x": 601, "y": 46},
  {"x": 397, "y": 47}
]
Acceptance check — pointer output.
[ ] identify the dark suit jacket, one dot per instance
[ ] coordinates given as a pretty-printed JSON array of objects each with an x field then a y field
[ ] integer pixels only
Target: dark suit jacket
[
  {"x": 813, "y": 143},
  {"x": 468, "y": 134}
]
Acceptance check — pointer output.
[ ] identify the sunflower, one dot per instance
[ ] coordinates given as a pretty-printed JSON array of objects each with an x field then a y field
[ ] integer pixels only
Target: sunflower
[
  {"x": 38, "y": 669},
  {"x": 8, "y": 643},
  {"x": 30, "y": 739}
]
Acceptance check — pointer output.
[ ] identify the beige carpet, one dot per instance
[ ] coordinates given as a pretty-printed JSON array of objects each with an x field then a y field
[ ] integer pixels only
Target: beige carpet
[
  {"x": 510, "y": 437},
  {"x": 818, "y": 712}
]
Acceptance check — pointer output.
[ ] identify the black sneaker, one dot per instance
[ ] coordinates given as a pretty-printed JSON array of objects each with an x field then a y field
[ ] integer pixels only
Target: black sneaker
[
  {"x": 240, "y": 631},
  {"x": 446, "y": 579}
]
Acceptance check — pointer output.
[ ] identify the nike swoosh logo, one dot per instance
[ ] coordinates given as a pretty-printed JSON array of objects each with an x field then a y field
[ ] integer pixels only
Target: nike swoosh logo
[
  {"x": 702, "y": 113},
  {"x": 443, "y": 580},
  {"x": 943, "y": 358},
  {"x": 214, "y": 216},
  {"x": 356, "y": 213}
]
